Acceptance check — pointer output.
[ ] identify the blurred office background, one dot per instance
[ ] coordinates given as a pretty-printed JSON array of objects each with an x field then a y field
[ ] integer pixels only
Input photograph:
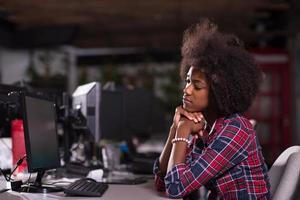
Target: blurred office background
[{"x": 58, "y": 45}]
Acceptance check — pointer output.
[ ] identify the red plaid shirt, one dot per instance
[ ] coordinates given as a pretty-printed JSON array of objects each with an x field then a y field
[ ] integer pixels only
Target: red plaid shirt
[{"x": 229, "y": 163}]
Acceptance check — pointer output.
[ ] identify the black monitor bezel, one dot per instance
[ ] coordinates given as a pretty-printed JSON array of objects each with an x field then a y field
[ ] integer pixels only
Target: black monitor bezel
[{"x": 26, "y": 132}]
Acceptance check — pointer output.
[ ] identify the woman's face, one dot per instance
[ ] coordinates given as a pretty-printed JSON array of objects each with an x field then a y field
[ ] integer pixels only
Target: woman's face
[{"x": 196, "y": 91}]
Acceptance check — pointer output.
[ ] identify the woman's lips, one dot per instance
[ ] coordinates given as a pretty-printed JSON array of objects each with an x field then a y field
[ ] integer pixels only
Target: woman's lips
[{"x": 186, "y": 101}]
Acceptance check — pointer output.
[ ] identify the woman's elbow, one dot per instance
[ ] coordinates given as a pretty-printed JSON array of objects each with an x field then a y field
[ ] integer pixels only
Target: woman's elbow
[
  {"x": 175, "y": 191},
  {"x": 159, "y": 184}
]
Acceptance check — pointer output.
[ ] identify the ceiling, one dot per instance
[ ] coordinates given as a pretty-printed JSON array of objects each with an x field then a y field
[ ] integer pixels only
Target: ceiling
[{"x": 124, "y": 23}]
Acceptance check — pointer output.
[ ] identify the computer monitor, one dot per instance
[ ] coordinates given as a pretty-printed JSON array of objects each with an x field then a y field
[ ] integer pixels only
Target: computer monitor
[
  {"x": 114, "y": 115},
  {"x": 41, "y": 142},
  {"x": 86, "y": 100},
  {"x": 138, "y": 108},
  {"x": 125, "y": 113},
  {"x": 111, "y": 115}
]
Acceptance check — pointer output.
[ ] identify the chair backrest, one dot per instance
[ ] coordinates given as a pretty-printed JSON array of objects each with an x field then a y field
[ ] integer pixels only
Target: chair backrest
[{"x": 285, "y": 174}]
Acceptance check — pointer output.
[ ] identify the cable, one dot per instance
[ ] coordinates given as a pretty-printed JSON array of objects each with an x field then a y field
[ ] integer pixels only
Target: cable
[
  {"x": 20, "y": 161},
  {"x": 15, "y": 185}
]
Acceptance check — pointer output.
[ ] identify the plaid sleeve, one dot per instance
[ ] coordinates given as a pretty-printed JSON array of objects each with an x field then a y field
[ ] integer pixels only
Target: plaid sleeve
[
  {"x": 227, "y": 150},
  {"x": 158, "y": 177}
]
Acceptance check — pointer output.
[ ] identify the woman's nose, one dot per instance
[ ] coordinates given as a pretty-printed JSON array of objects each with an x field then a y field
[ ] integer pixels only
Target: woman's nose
[{"x": 187, "y": 89}]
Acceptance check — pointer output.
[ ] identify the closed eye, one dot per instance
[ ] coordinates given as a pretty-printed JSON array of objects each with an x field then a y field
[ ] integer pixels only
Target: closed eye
[{"x": 198, "y": 87}]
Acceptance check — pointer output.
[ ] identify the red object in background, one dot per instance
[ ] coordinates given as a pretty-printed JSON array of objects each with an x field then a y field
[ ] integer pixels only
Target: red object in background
[
  {"x": 18, "y": 144},
  {"x": 272, "y": 107}
]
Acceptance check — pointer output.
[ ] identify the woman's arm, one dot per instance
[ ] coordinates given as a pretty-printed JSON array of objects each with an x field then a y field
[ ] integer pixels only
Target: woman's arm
[
  {"x": 164, "y": 156},
  {"x": 178, "y": 152},
  {"x": 161, "y": 165},
  {"x": 180, "y": 115}
]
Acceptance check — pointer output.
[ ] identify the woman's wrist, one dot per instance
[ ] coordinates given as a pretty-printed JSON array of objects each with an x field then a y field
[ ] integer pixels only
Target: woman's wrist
[
  {"x": 183, "y": 130},
  {"x": 172, "y": 131},
  {"x": 173, "y": 127}
]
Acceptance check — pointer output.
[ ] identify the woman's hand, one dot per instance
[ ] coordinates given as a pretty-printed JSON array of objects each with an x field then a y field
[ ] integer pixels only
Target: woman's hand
[
  {"x": 184, "y": 124},
  {"x": 187, "y": 127},
  {"x": 191, "y": 123},
  {"x": 180, "y": 112}
]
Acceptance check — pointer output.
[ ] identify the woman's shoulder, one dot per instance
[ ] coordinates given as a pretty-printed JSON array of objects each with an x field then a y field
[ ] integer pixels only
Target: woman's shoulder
[
  {"x": 238, "y": 121},
  {"x": 233, "y": 130}
]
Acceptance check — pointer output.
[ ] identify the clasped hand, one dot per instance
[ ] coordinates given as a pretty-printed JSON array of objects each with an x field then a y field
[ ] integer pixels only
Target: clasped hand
[{"x": 191, "y": 122}]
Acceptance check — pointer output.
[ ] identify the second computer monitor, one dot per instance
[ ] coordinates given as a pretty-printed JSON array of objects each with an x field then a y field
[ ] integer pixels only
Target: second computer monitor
[
  {"x": 125, "y": 113},
  {"x": 41, "y": 140},
  {"x": 112, "y": 115},
  {"x": 138, "y": 108},
  {"x": 86, "y": 99}
]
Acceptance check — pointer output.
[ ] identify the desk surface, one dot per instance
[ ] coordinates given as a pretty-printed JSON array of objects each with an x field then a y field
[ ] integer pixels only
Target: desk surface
[{"x": 144, "y": 191}]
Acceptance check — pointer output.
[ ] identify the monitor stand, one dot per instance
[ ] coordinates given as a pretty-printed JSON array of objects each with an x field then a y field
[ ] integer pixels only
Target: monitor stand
[{"x": 37, "y": 186}]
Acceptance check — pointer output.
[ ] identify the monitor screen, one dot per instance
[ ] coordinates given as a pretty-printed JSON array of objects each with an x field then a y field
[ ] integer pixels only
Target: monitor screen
[
  {"x": 86, "y": 99},
  {"x": 138, "y": 105},
  {"x": 111, "y": 115},
  {"x": 40, "y": 133},
  {"x": 114, "y": 115},
  {"x": 125, "y": 113}
]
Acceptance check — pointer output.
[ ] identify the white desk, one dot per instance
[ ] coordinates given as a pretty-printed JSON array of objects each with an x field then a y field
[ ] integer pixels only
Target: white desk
[{"x": 144, "y": 191}]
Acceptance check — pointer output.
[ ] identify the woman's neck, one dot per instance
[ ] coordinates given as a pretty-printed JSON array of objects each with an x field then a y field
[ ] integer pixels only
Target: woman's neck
[{"x": 210, "y": 117}]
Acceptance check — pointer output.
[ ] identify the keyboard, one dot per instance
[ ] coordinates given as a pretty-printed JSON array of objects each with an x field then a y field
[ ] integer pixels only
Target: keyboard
[{"x": 86, "y": 187}]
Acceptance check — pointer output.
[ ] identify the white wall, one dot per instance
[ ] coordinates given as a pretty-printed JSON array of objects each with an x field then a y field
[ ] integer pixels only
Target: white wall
[{"x": 13, "y": 65}]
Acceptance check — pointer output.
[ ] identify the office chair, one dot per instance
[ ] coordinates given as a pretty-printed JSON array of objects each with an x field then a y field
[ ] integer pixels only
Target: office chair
[{"x": 285, "y": 175}]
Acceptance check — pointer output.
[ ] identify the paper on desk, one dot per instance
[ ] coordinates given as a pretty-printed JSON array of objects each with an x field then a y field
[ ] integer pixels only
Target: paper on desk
[
  {"x": 4, "y": 184},
  {"x": 96, "y": 174},
  {"x": 6, "y": 153}
]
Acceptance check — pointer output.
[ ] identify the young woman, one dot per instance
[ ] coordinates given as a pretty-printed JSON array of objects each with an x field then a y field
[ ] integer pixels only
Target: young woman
[{"x": 210, "y": 142}]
